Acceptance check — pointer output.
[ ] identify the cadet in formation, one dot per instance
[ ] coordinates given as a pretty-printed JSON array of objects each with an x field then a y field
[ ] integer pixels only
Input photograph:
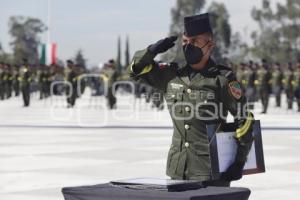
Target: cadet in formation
[
  {"x": 110, "y": 75},
  {"x": 198, "y": 94},
  {"x": 248, "y": 83},
  {"x": 288, "y": 85},
  {"x": 25, "y": 80},
  {"x": 71, "y": 78},
  {"x": 276, "y": 83},
  {"x": 263, "y": 85}
]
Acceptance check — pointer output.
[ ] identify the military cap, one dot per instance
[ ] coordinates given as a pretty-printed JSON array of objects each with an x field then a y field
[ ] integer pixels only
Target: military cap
[{"x": 196, "y": 25}]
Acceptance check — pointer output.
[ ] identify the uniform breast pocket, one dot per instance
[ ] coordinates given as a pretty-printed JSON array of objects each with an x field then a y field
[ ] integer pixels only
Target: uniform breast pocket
[
  {"x": 206, "y": 106},
  {"x": 174, "y": 101}
]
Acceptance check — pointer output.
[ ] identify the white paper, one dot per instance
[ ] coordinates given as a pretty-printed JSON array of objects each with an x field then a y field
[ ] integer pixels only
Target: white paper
[{"x": 227, "y": 148}]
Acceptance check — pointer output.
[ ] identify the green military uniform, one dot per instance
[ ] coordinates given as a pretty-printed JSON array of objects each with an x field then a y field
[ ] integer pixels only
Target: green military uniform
[
  {"x": 248, "y": 83},
  {"x": 276, "y": 82},
  {"x": 16, "y": 82},
  {"x": 296, "y": 84},
  {"x": 264, "y": 86},
  {"x": 42, "y": 80},
  {"x": 72, "y": 79},
  {"x": 288, "y": 86},
  {"x": 189, "y": 97},
  {"x": 109, "y": 76},
  {"x": 8, "y": 80},
  {"x": 25, "y": 80}
]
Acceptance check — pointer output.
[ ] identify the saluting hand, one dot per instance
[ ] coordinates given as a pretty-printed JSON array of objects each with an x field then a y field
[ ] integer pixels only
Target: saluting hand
[{"x": 162, "y": 45}]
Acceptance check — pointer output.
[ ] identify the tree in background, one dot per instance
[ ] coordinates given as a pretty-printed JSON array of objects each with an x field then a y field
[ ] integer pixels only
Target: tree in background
[
  {"x": 238, "y": 49},
  {"x": 278, "y": 38},
  {"x": 183, "y": 8},
  {"x": 127, "y": 53},
  {"x": 119, "y": 63},
  {"x": 266, "y": 40},
  {"x": 25, "y": 31},
  {"x": 5, "y": 57},
  {"x": 222, "y": 31},
  {"x": 79, "y": 59},
  {"x": 289, "y": 18}
]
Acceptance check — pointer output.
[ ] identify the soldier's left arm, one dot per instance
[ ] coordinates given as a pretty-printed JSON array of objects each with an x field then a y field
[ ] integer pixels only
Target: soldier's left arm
[{"x": 235, "y": 102}]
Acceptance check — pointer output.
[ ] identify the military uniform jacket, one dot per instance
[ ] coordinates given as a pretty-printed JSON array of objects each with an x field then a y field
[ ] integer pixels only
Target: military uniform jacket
[
  {"x": 25, "y": 77},
  {"x": 192, "y": 103},
  {"x": 264, "y": 80}
]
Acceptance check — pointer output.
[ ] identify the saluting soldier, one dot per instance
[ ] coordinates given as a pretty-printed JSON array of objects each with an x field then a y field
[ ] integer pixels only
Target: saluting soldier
[
  {"x": 277, "y": 77},
  {"x": 193, "y": 94},
  {"x": 288, "y": 85}
]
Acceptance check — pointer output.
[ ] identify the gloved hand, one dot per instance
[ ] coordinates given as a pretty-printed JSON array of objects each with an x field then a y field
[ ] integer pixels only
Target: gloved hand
[
  {"x": 234, "y": 171},
  {"x": 162, "y": 45}
]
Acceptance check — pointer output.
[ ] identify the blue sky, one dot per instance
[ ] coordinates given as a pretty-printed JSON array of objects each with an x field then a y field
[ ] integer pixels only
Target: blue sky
[{"x": 95, "y": 25}]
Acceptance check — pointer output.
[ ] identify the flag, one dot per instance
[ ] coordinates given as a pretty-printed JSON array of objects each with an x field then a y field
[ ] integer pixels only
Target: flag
[{"x": 48, "y": 54}]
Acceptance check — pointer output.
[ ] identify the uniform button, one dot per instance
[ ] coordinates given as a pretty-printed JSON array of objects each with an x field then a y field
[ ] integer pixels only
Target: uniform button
[
  {"x": 173, "y": 96},
  {"x": 187, "y": 109},
  {"x": 186, "y": 144},
  {"x": 189, "y": 90},
  {"x": 187, "y": 126}
]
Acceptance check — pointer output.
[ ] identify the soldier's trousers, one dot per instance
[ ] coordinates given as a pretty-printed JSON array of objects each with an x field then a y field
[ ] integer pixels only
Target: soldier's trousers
[
  {"x": 264, "y": 96},
  {"x": 26, "y": 95},
  {"x": 290, "y": 98},
  {"x": 277, "y": 93},
  {"x": 8, "y": 90},
  {"x": 16, "y": 89},
  {"x": 72, "y": 99},
  {"x": 111, "y": 98}
]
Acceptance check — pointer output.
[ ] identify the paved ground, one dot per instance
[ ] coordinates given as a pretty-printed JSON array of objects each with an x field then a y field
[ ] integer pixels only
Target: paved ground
[{"x": 43, "y": 148}]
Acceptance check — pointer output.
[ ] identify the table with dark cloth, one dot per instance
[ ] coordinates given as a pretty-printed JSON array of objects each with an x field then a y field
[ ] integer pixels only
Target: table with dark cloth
[{"x": 111, "y": 192}]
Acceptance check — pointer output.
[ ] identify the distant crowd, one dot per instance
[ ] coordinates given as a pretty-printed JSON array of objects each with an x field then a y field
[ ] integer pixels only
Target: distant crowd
[{"x": 259, "y": 81}]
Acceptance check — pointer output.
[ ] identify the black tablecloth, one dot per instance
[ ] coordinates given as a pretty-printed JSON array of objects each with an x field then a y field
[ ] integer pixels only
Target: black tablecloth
[{"x": 110, "y": 192}]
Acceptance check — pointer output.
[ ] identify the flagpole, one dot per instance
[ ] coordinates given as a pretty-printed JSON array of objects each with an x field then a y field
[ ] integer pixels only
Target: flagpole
[{"x": 48, "y": 21}]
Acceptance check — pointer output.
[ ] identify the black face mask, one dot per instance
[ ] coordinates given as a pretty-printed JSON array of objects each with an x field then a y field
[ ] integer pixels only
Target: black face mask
[{"x": 192, "y": 53}]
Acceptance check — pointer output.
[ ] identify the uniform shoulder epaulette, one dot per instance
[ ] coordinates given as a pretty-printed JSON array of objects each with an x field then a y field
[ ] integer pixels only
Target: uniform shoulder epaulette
[{"x": 227, "y": 72}]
